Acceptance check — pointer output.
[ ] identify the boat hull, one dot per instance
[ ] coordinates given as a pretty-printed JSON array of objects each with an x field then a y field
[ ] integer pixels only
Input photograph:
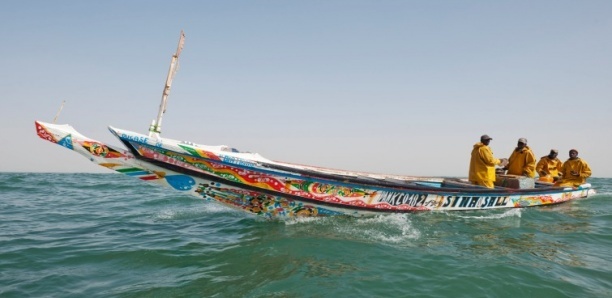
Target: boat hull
[{"x": 251, "y": 183}]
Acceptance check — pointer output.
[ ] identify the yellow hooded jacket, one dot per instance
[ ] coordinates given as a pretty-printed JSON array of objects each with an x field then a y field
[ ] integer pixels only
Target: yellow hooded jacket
[
  {"x": 482, "y": 164},
  {"x": 522, "y": 163},
  {"x": 578, "y": 165},
  {"x": 551, "y": 166}
]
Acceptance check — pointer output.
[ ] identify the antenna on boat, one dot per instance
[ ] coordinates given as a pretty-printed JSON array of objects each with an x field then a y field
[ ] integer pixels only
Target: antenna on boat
[
  {"x": 155, "y": 128},
  {"x": 58, "y": 112}
]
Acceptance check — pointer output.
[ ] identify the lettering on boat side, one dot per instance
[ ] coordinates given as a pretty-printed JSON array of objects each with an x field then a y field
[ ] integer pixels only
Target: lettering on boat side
[
  {"x": 474, "y": 202},
  {"x": 402, "y": 198},
  {"x": 418, "y": 200},
  {"x": 135, "y": 138}
]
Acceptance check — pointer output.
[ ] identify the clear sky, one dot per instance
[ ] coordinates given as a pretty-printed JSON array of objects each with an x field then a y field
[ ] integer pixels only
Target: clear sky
[{"x": 399, "y": 87}]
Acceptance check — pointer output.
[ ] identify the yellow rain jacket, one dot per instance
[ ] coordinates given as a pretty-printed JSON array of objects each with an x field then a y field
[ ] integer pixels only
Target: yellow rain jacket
[
  {"x": 522, "y": 163},
  {"x": 482, "y": 165},
  {"x": 550, "y": 166},
  {"x": 578, "y": 165}
]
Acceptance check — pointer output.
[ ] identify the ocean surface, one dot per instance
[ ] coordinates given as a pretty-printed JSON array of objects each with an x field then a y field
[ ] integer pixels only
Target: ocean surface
[{"x": 109, "y": 235}]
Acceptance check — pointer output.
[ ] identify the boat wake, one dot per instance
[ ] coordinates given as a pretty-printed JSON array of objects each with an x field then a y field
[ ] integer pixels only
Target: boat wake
[
  {"x": 601, "y": 194},
  {"x": 395, "y": 228},
  {"x": 180, "y": 213}
]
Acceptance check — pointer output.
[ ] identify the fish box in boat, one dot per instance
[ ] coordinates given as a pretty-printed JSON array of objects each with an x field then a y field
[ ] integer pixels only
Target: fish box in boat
[{"x": 513, "y": 181}]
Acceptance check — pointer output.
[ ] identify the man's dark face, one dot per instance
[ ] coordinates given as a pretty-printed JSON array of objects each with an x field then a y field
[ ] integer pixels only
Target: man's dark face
[
  {"x": 521, "y": 145},
  {"x": 573, "y": 154},
  {"x": 486, "y": 141},
  {"x": 552, "y": 155}
]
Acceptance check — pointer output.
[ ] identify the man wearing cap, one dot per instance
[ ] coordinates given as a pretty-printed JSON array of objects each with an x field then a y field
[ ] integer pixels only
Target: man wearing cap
[
  {"x": 522, "y": 161},
  {"x": 549, "y": 165},
  {"x": 574, "y": 171},
  {"x": 482, "y": 163}
]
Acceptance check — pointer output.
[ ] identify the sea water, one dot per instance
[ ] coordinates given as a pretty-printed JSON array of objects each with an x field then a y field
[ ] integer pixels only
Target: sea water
[{"x": 108, "y": 235}]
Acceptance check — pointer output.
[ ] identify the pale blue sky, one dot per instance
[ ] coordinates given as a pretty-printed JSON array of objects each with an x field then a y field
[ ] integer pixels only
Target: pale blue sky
[{"x": 401, "y": 87}]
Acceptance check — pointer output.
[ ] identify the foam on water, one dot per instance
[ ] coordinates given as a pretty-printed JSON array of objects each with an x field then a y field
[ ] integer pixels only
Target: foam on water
[
  {"x": 388, "y": 228},
  {"x": 397, "y": 228},
  {"x": 201, "y": 210}
]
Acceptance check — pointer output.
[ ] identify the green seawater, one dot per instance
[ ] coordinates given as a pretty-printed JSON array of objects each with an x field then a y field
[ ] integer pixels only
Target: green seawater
[{"x": 108, "y": 235}]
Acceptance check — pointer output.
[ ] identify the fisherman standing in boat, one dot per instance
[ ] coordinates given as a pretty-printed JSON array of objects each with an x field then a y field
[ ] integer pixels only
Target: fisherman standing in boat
[
  {"x": 482, "y": 163},
  {"x": 522, "y": 161},
  {"x": 574, "y": 171},
  {"x": 549, "y": 166}
]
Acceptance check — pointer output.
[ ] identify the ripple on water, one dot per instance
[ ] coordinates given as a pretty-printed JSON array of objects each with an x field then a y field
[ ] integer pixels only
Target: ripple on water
[{"x": 110, "y": 235}]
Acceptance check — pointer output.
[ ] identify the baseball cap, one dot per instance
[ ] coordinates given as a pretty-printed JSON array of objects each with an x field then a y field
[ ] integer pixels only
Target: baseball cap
[{"x": 485, "y": 137}]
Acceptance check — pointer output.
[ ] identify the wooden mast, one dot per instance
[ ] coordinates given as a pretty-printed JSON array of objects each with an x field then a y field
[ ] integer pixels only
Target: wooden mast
[{"x": 155, "y": 128}]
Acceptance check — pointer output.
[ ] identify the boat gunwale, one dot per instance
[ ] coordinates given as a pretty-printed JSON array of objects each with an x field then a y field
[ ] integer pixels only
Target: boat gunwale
[{"x": 355, "y": 181}]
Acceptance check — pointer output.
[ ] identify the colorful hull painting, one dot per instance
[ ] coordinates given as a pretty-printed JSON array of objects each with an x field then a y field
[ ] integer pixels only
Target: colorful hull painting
[{"x": 254, "y": 184}]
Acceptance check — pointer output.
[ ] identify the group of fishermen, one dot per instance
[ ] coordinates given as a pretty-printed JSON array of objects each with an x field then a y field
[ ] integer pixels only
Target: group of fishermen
[{"x": 522, "y": 162}]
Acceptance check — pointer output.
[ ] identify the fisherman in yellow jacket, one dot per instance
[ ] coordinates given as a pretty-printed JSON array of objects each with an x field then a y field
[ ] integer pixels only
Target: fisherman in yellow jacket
[
  {"x": 522, "y": 161},
  {"x": 574, "y": 171},
  {"x": 550, "y": 165},
  {"x": 482, "y": 163}
]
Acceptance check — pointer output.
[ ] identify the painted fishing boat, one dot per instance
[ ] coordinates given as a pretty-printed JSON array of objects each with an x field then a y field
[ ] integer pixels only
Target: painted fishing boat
[{"x": 252, "y": 183}]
